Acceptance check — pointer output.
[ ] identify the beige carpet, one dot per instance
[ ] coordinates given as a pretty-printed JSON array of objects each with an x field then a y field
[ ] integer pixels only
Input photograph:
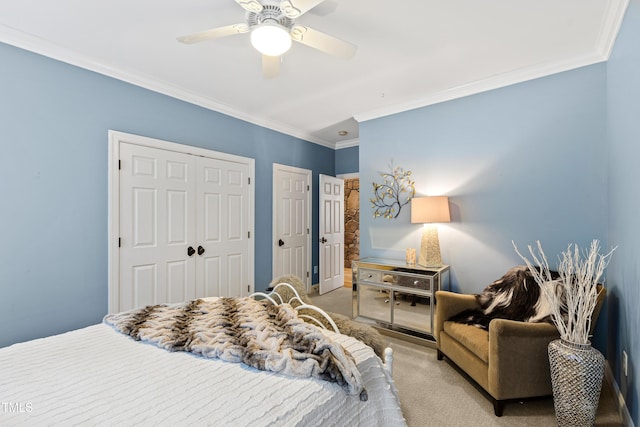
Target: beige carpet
[{"x": 434, "y": 393}]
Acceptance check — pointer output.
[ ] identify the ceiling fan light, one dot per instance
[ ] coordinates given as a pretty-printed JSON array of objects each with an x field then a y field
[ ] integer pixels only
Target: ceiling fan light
[{"x": 270, "y": 39}]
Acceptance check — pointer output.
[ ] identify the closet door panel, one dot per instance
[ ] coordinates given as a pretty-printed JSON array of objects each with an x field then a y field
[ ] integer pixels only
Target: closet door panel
[
  {"x": 157, "y": 226},
  {"x": 222, "y": 194}
]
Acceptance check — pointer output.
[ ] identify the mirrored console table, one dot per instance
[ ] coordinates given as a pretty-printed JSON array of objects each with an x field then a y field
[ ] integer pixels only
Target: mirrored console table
[{"x": 395, "y": 296}]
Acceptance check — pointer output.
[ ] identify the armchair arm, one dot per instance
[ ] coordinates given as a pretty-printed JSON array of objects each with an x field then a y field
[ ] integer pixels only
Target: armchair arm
[
  {"x": 518, "y": 358},
  {"x": 515, "y": 329},
  {"x": 449, "y": 304}
]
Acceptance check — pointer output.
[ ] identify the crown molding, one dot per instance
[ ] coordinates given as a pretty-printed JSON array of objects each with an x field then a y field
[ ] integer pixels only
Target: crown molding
[
  {"x": 490, "y": 83},
  {"x": 42, "y": 47},
  {"x": 611, "y": 27},
  {"x": 348, "y": 143},
  {"x": 601, "y": 51}
]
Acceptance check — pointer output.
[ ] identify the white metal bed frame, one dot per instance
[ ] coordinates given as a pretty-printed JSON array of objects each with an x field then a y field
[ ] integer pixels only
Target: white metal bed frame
[{"x": 273, "y": 296}]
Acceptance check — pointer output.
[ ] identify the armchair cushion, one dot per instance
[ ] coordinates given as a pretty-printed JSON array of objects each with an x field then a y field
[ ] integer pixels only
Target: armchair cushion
[{"x": 474, "y": 339}]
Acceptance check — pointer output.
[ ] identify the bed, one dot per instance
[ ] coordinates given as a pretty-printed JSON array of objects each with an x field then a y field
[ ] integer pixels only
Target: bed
[{"x": 98, "y": 376}]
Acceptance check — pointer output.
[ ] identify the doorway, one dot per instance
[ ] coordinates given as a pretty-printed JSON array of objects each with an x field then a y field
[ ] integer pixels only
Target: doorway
[
  {"x": 351, "y": 224},
  {"x": 351, "y": 220}
]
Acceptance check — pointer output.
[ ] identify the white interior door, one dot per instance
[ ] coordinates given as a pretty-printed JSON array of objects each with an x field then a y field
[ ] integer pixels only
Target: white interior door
[
  {"x": 157, "y": 226},
  {"x": 331, "y": 233},
  {"x": 180, "y": 223},
  {"x": 292, "y": 222},
  {"x": 221, "y": 198}
]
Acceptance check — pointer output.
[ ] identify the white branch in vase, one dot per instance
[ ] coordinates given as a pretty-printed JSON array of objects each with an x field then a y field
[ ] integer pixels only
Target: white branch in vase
[{"x": 574, "y": 294}]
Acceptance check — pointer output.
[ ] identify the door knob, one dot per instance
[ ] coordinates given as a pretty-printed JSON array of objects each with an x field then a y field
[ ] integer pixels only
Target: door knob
[
  {"x": 190, "y": 251},
  {"x": 200, "y": 250},
  {"x": 280, "y": 242},
  {"x": 323, "y": 240}
]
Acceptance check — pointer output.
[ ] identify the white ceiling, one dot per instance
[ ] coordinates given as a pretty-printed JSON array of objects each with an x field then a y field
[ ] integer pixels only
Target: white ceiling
[{"x": 411, "y": 53}]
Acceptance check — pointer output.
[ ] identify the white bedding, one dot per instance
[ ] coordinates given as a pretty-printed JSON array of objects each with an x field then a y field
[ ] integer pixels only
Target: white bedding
[{"x": 96, "y": 376}]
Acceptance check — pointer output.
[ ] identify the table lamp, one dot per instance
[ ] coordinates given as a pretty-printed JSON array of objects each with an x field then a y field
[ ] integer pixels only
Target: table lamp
[{"x": 429, "y": 211}]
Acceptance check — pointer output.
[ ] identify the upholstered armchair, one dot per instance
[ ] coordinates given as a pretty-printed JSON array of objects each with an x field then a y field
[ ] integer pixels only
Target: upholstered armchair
[{"x": 509, "y": 361}]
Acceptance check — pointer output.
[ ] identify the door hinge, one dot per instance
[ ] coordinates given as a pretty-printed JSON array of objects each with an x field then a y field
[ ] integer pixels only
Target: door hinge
[
  {"x": 307, "y": 274},
  {"x": 307, "y": 231},
  {"x": 248, "y": 288},
  {"x": 248, "y": 234},
  {"x": 119, "y": 241},
  {"x": 119, "y": 164},
  {"x": 307, "y": 187},
  {"x": 249, "y": 180}
]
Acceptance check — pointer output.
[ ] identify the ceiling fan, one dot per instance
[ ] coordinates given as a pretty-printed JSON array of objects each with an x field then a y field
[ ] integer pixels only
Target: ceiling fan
[{"x": 272, "y": 26}]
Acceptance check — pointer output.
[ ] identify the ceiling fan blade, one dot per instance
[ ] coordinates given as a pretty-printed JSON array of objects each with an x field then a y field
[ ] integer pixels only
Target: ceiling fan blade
[
  {"x": 295, "y": 8},
  {"x": 250, "y": 5},
  {"x": 270, "y": 66},
  {"x": 323, "y": 42},
  {"x": 214, "y": 33}
]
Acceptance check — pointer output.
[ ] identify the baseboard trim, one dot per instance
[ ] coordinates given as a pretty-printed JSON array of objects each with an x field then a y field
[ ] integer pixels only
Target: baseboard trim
[{"x": 623, "y": 411}]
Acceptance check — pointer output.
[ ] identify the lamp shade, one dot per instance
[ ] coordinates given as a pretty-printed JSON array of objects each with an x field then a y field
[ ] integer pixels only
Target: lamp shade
[
  {"x": 430, "y": 209},
  {"x": 270, "y": 39}
]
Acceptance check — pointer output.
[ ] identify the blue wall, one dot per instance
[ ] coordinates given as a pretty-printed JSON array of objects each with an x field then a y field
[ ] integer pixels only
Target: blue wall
[
  {"x": 347, "y": 160},
  {"x": 554, "y": 159},
  {"x": 623, "y": 90},
  {"x": 524, "y": 163},
  {"x": 53, "y": 183}
]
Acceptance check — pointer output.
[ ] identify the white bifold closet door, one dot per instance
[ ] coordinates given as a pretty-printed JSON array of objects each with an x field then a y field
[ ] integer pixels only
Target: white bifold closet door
[{"x": 183, "y": 227}]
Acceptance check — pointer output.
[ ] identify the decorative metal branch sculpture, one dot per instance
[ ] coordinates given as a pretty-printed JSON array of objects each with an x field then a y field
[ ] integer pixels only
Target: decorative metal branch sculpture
[{"x": 395, "y": 192}]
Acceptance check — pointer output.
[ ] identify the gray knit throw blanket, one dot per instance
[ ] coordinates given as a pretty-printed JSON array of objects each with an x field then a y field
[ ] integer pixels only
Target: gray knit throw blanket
[{"x": 243, "y": 330}]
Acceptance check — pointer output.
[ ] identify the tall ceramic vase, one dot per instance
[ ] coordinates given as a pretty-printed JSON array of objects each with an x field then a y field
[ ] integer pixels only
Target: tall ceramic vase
[{"x": 576, "y": 378}]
